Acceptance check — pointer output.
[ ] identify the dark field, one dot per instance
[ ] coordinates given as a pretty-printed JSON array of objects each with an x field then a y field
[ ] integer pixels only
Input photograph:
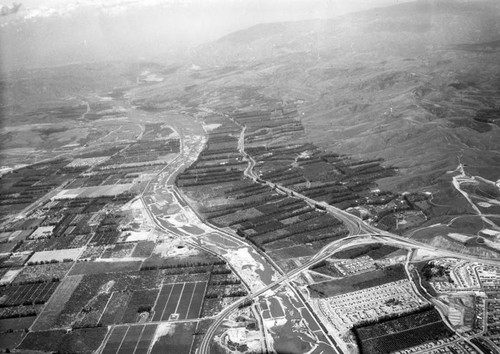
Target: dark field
[
  {"x": 359, "y": 281},
  {"x": 53, "y": 308},
  {"x": 27, "y": 294},
  {"x": 376, "y": 251},
  {"x": 184, "y": 299},
  {"x": 130, "y": 339},
  {"x": 16, "y": 323},
  {"x": 45, "y": 341},
  {"x": 178, "y": 341},
  {"x": 87, "y": 268},
  {"x": 140, "y": 301},
  {"x": 369, "y": 113},
  {"x": 11, "y": 340},
  {"x": 143, "y": 249},
  {"x": 401, "y": 333}
]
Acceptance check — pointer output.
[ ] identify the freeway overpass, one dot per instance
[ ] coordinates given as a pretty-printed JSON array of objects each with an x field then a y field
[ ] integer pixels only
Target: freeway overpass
[
  {"x": 359, "y": 231},
  {"x": 357, "y": 228}
]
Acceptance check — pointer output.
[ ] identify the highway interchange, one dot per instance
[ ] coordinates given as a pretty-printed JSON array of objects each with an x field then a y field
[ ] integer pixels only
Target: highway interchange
[{"x": 359, "y": 233}]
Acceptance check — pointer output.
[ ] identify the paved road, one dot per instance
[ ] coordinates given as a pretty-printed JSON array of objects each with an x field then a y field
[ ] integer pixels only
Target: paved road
[
  {"x": 321, "y": 255},
  {"x": 354, "y": 226},
  {"x": 357, "y": 229}
]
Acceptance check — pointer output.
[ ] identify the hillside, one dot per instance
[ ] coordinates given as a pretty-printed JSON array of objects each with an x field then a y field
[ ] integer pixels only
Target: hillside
[
  {"x": 322, "y": 186},
  {"x": 407, "y": 83},
  {"x": 415, "y": 85}
]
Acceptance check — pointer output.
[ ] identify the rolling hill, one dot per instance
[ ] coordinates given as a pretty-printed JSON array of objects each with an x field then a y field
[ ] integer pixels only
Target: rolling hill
[{"x": 408, "y": 83}]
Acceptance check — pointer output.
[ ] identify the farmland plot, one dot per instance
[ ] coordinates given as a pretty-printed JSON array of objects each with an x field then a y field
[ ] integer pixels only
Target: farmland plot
[
  {"x": 179, "y": 301},
  {"x": 177, "y": 338},
  {"x": 57, "y": 255},
  {"x": 130, "y": 339},
  {"x": 53, "y": 308},
  {"x": 27, "y": 294},
  {"x": 401, "y": 333}
]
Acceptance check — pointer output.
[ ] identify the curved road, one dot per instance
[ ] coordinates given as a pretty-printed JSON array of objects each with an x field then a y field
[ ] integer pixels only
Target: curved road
[{"x": 357, "y": 228}]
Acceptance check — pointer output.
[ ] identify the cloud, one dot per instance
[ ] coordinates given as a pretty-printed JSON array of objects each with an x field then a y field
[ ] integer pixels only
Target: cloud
[{"x": 6, "y": 11}]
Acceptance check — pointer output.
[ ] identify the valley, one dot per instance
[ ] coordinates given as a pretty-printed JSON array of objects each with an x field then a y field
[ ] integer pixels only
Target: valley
[{"x": 322, "y": 186}]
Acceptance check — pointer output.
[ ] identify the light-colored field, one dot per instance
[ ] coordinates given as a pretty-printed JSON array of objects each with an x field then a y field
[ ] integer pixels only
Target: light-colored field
[
  {"x": 42, "y": 231},
  {"x": 9, "y": 276},
  {"x": 174, "y": 249},
  {"x": 45, "y": 272},
  {"x": 94, "y": 192},
  {"x": 91, "y": 161},
  {"x": 449, "y": 244},
  {"x": 5, "y": 236},
  {"x": 344, "y": 311},
  {"x": 133, "y": 236},
  {"x": 58, "y": 255},
  {"x": 210, "y": 127},
  {"x": 138, "y": 225}
]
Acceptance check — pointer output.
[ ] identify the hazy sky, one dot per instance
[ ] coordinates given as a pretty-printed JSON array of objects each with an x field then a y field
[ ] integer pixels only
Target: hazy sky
[
  {"x": 269, "y": 10},
  {"x": 86, "y": 30}
]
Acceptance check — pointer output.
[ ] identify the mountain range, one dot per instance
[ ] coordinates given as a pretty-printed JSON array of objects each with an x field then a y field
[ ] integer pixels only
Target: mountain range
[
  {"x": 416, "y": 84},
  {"x": 410, "y": 83}
]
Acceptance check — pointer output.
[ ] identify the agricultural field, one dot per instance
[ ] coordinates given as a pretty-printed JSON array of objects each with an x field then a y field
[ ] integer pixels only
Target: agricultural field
[
  {"x": 42, "y": 232},
  {"x": 53, "y": 308},
  {"x": 116, "y": 307},
  {"x": 375, "y": 251},
  {"x": 151, "y": 203},
  {"x": 118, "y": 250},
  {"x": 143, "y": 153},
  {"x": 130, "y": 339},
  {"x": 64, "y": 255},
  {"x": 85, "y": 340},
  {"x": 11, "y": 340},
  {"x": 23, "y": 187},
  {"x": 281, "y": 225},
  {"x": 180, "y": 301},
  {"x": 284, "y": 226},
  {"x": 95, "y": 192},
  {"x": 87, "y": 162},
  {"x": 7, "y": 275},
  {"x": 98, "y": 293},
  {"x": 359, "y": 281},
  {"x": 77, "y": 256},
  {"x": 140, "y": 305},
  {"x": 16, "y": 324},
  {"x": 36, "y": 293},
  {"x": 323, "y": 176},
  {"x": 157, "y": 131},
  {"x": 91, "y": 268},
  {"x": 403, "y": 332},
  {"x": 175, "y": 338},
  {"x": 143, "y": 249}
]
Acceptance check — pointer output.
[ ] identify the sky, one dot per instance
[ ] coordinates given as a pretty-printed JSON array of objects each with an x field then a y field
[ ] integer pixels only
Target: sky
[
  {"x": 52, "y": 32},
  {"x": 258, "y": 10}
]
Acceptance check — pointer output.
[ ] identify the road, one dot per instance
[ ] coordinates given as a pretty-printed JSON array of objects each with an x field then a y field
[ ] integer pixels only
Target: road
[
  {"x": 359, "y": 232},
  {"x": 322, "y": 255},
  {"x": 357, "y": 228},
  {"x": 353, "y": 224},
  {"x": 223, "y": 233}
]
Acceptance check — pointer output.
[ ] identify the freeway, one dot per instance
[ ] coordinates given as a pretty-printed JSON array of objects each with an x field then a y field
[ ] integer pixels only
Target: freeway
[
  {"x": 353, "y": 225},
  {"x": 359, "y": 233},
  {"x": 322, "y": 255},
  {"x": 357, "y": 228},
  {"x": 171, "y": 169}
]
